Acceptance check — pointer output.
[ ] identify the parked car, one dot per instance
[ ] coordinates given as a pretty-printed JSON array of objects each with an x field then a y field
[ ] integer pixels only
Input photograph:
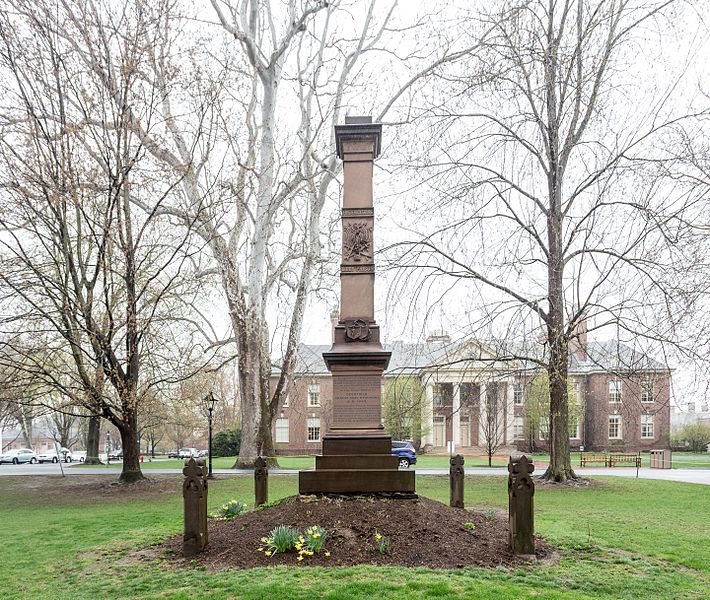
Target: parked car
[
  {"x": 80, "y": 455},
  {"x": 188, "y": 452},
  {"x": 20, "y": 455},
  {"x": 204, "y": 453},
  {"x": 116, "y": 455},
  {"x": 174, "y": 453},
  {"x": 51, "y": 456},
  {"x": 406, "y": 453}
]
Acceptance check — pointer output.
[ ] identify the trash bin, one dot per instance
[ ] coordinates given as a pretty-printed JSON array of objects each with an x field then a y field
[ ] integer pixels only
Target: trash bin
[{"x": 661, "y": 459}]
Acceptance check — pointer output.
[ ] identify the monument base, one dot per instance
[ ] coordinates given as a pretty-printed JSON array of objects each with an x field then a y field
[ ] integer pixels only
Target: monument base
[{"x": 356, "y": 464}]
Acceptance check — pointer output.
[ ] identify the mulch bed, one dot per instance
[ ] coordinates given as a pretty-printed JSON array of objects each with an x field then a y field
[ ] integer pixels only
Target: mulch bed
[{"x": 423, "y": 533}]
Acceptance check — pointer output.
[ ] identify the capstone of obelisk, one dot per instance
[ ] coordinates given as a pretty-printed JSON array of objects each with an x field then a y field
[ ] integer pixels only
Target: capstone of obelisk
[{"x": 357, "y": 452}]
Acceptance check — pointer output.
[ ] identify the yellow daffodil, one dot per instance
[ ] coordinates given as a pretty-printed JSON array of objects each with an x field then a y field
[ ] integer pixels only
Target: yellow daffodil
[
  {"x": 298, "y": 546},
  {"x": 309, "y": 532},
  {"x": 378, "y": 536},
  {"x": 327, "y": 553},
  {"x": 316, "y": 535},
  {"x": 267, "y": 553},
  {"x": 264, "y": 540},
  {"x": 261, "y": 549},
  {"x": 300, "y": 558}
]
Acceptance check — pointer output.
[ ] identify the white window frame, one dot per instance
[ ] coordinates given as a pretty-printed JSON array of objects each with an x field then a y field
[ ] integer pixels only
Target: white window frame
[
  {"x": 577, "y": 431},
  {"x": 518, "y": 394},
  {"x": 285, "y": 404},
  {"x": 279, "y": 430},
  {"x": 544, "y": 433},
  {"x": 313, "y": 429},
  {"x": 314, "y": 394},
  {"x": 518, "y": 428},
  {"x": 615, "y": 391},
  {"x": 618, "y": 424},
  {"x": 647, "y": 391},
  {"x": 646, "y": 421}
]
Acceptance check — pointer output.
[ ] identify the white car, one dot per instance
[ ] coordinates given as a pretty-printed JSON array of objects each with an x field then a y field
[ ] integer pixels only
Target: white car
[
  {"x": 21, "y": 455},
  {"x": 188, "y": 452},
  {"x": 51, "y": 456}
]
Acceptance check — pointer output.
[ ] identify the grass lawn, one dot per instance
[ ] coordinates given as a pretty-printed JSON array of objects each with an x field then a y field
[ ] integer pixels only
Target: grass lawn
[
  {"x": 621, "y": 538},
  {"x": 681, "y": 460}
]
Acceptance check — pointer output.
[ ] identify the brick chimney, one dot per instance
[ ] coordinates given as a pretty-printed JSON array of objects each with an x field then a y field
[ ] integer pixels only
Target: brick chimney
[{"x": 578, "y": 343}]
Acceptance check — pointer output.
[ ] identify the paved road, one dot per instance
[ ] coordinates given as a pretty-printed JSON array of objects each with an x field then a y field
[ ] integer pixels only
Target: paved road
[{"x": 701, "y": 476}]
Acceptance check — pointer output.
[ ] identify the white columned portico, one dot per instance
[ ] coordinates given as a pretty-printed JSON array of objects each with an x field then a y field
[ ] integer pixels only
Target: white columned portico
[{"x": 456, "y": 416}]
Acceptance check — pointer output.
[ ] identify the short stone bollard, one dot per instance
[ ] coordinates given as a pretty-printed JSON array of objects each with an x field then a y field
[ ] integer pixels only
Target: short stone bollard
[
  {"x": 194, "y": 493},
  {"x": 261, "y": 482},
  {"x": 521, "y": 490},
  {"x": 456, "y": 474}
]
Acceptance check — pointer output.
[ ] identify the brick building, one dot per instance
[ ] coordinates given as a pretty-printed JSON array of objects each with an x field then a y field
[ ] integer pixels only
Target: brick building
[{"x": 622, "y": 398}]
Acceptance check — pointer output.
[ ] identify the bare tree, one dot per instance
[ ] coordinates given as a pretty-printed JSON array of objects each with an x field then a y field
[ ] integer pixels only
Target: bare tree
[
  {"x": 88, "y": 275},
  {"x": 549, "y": 210}
]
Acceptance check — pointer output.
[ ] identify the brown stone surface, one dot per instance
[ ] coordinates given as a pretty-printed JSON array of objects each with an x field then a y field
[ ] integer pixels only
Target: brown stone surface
[
  {"x": 194, "y": 493},
  {"x": 456, "y": 481},
  {"x": 423, "y": 533},
  {"x": 521, "y": 489},
  {"x": 358, "y": 481},
  {"x": 357, "y": 445},
  {"x": 357, "y": 461}
]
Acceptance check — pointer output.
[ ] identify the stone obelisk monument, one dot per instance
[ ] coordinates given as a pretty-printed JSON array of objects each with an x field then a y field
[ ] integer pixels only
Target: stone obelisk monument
[{"x": 357, "y": 453}]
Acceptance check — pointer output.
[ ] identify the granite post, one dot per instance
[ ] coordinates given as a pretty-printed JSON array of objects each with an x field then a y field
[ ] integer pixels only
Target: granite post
[
  {"x": 456, "y": 474},
  {"x": 521, "y": 490},
  {"x": 357, "y": 452},
  {"x": 194, "y": 493},
  {"x": 261, "y": 482}
]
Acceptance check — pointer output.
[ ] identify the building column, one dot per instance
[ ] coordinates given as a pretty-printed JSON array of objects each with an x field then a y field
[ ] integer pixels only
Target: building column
[
  {"x": 482, "y": 437},
  {"x": 456, "y": 416},
  {"x": 428, "y": 417},
  {"x": 509, "y": 413}
]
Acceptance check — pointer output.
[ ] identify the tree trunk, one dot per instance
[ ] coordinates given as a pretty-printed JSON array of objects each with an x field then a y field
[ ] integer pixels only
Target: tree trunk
[
  {"x": 250, "y": 380},
  {"x": 92, "y": 441},
  {"x": 131, "y": 471}
]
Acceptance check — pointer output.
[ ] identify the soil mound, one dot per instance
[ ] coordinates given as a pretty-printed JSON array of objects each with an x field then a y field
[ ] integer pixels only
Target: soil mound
[{"x": 422, "y": 533}]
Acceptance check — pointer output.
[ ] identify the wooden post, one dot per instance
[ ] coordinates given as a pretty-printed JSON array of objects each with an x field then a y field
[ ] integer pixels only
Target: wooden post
[
  {"x": 456, "y": 474},
  {"x": 194, "y": 493},
  {"x": 521, "y": 490},
  {"x": 261, "y": 482}
]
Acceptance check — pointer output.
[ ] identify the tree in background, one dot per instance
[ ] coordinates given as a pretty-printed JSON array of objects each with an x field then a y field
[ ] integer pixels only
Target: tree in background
[
  {"x": 404, "y": 409},
  {"x": 226, "y": 442},
  {"x": 696, "y": 436},
  {"x": 537, "y": 409},
  {"x": 552, "y": 201}
]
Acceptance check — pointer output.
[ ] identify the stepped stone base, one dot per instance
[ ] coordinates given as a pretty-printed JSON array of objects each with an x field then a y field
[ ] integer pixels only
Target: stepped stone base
[
  {"x": 355, "y": 481},
  {"x": 353, "y": 464}
]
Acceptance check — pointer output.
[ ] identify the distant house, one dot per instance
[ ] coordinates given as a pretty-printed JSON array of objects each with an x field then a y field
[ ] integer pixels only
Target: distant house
[{"x": 623, "y": 398}]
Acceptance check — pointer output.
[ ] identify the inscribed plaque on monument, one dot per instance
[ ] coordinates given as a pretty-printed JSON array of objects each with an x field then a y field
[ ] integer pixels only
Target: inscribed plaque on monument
[{"x": 357, "y": 400}]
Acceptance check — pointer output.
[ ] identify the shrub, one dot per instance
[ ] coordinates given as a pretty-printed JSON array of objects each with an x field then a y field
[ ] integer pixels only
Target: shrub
[
  {"x": 227, "y": 442},
  {"x": 229, "y": 511}
]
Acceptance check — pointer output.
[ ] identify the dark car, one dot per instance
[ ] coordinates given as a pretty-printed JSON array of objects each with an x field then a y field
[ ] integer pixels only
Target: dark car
[{"x": 406, "y": 453}]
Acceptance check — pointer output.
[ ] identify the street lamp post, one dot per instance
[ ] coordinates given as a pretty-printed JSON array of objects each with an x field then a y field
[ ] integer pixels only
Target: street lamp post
[{"x": 211, "y": 402}]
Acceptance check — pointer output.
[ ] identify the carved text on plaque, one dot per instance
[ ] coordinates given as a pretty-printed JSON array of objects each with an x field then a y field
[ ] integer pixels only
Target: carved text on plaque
[
  {"x": 357, "y": 241},
  {"x": 357, "y": 400}
]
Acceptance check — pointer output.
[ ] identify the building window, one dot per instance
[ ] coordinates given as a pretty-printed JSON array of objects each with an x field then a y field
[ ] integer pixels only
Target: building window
[
  {"x": 647, "y": 391},
  {"x": 518, "y": 394},
  {"x": 544, "y": 429},
  {"x": 314, "y": 394},
  {"x": 468, "y": 394},
  {"x": 578, "y": 393},
  {"x": 443, "y": 394},
  {"x": 282, "y": 430},
  {"x": 518, "y": 428},
  {"x": 573, "y": 427},
  {"x": 647, "y": 427},
  {"x": 614, "y": 427},
  {"x": 314, "y": 429},
  {"x": 615, "y": 391},
  {"x": 285, "y": 404}
]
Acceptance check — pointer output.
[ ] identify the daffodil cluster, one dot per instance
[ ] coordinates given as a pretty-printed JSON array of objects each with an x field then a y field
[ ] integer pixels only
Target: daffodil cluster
[
  {"x": 283, "y": 539},
  {"x": 382, "y": 543},
  {"x": 229, "y": 511}
]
